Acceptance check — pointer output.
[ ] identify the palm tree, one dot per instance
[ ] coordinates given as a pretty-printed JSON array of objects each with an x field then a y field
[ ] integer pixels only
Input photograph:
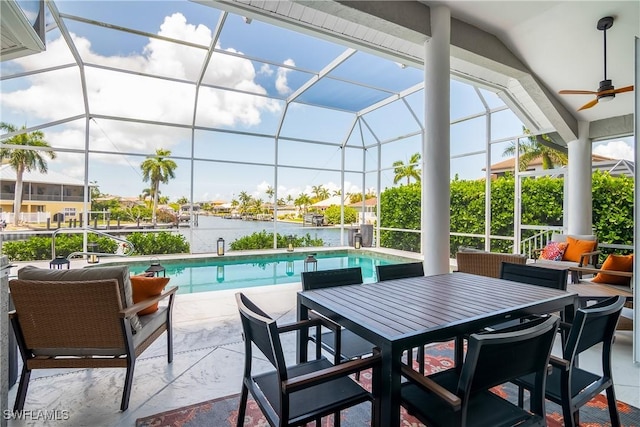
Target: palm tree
[
  {"x": 319, "y": 192},
  {"x": 303, "y": 201},
  {"x": 24, "y": 159},
  {"x": 289, "y": 199},
  {"x": 270, "y": 192},
  {"x": 245, "y": 199},
  {"x": 409, "y": 170},
  {"x": 532, "y": 149},
  {"x": 158, "y": 169}
]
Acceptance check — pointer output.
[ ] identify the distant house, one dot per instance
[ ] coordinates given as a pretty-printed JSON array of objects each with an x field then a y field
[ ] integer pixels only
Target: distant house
[
  {"x": 614, "y": 166},
  {"x": 370, "y": 208},
  {"x": 44, "y": 196}
]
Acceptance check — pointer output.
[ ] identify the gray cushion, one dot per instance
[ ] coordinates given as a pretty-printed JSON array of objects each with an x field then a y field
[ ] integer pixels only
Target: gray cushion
[
  {"x": 561, "y": 238},
  {"x": 120, "y": 273}
]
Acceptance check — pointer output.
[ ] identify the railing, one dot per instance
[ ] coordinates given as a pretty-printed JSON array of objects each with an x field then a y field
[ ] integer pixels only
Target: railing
[
  {"x": 125, "y": 249},
  {"x": 539, "y": 239}
]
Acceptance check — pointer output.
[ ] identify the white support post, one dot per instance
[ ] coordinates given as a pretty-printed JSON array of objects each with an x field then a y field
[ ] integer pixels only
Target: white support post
[{"x": 436, "y": 150}]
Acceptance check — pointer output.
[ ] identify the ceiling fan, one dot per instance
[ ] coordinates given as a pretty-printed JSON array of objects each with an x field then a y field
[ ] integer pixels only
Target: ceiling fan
[{"x": 606, "y": 91}]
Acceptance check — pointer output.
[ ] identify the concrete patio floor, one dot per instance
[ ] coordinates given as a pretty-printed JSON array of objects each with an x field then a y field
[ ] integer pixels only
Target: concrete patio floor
[{"x": 207, "y": 364}]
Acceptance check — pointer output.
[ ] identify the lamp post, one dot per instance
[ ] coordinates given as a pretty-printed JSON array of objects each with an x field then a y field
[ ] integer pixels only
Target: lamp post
[
  {"x": 357, "y": 241},
  {"x": 311, "y": 263},
  {"x": 155, "y": 268},
  {"x": 220, "y": 246}
]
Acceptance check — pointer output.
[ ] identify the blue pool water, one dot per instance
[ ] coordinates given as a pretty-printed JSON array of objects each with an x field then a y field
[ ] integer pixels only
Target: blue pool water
[{"x": 232, "y": 272}]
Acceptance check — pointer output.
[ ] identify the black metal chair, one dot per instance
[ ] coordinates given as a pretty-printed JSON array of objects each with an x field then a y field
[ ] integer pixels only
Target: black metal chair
[
  {"x": 451, "y": 398},
  {"x": 345, "y": 345},
  {"x": 298, "y": 394},
  {"x": 399, "y": 271},
  {"x": 540, "y": 276},
  {"x": 571, "y": 386},
  {"x": 404, "y": 271}
]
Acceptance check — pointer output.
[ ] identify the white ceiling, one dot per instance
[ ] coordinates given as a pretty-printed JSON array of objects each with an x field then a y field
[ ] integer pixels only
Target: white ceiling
[{"x": 559, "y": 42}]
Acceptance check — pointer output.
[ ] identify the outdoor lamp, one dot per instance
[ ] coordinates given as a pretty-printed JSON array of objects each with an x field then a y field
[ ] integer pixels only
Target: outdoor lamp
[
  {"x": 93, "y": 258},
  {"x": 220, "y": 274},
  {"x": 310, "y": 263},
  {"x": 155, "y": 268},
  {"x": 289, "y": 268},
  {"x": 220, "y": 246},
  {"x": 357, "y": 241},
  {"x": 290, "y": 247}
]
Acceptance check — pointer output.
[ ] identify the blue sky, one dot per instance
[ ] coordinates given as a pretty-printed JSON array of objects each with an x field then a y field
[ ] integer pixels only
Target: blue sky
[{"x": 267, "y": 65}]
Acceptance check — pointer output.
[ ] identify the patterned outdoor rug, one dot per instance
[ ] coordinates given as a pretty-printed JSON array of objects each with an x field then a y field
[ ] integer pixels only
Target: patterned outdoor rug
[{"x": 223, "y": 411}]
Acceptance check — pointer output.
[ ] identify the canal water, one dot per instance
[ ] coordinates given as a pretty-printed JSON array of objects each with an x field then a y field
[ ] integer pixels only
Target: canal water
[{"x": 203, "y": 237}]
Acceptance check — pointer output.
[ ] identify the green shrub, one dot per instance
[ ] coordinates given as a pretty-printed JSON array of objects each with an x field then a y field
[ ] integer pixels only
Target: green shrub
[
  {"x": 39, "y": 248},
  {"x": 264, "y": 240},
  {"x": 332, "y": 215},
  {"x": 158, "y": 243}
]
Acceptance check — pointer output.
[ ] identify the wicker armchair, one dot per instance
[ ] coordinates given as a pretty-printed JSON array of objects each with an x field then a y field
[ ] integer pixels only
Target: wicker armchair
[
  {"x": 83, "y": 324},
  {"x": 486, "y": 263}
]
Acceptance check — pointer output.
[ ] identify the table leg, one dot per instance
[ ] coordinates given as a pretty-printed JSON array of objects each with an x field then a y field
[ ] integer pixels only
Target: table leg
[
  {"x": 390, "y": 388},
  {"x": 303, "y": 334}
]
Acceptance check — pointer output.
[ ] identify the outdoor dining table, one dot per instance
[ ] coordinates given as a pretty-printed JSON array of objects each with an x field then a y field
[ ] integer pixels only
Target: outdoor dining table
[{"x": 398, "y": 315}]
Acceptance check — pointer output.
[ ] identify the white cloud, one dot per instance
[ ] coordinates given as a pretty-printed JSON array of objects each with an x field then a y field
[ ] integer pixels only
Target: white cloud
[
  {"x": 615, "y": 150},
  {"x": 282, "y": 85},
  {"x": 266, "y": 70},
  {"x": 55, "y": 95}
]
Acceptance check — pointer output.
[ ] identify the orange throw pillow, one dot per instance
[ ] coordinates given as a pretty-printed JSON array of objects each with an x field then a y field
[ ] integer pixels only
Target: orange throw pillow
[
  {"x": 615, "y": 263},
  {"x": 146, "y": 287},
  {"x": 576, "y": 248}
]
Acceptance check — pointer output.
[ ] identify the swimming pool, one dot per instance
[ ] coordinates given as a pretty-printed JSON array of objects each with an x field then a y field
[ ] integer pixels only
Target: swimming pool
[{"x": 242, "y": 271}]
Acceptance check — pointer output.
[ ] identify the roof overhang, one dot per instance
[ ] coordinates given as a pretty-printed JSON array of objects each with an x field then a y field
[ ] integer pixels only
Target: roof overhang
[{"x": 19, "y": 36}]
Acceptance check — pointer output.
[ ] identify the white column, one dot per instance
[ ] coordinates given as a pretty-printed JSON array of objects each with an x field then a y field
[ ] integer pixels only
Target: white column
[
  {"x": 636, "y": 229},
  {"x": 435, "y": 148},
  {"x": 579, "y": 207}
]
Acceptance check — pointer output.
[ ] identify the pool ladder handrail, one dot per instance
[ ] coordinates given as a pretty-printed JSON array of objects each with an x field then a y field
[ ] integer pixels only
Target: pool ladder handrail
[{"x": 127, "y": 250}]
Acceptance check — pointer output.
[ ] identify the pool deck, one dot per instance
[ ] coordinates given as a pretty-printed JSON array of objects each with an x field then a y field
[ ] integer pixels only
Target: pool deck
[{"x": 207, "y": 364}]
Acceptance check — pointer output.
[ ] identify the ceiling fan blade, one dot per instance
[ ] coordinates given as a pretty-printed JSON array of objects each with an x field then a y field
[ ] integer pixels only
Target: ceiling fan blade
[
  {"x": 577, "y": 92},
  {"x": 624, "y": 89},
  {"x": 588, "y": 105}
]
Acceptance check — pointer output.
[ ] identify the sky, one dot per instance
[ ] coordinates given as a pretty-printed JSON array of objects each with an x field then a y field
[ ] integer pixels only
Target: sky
[{"x": 265, "y": 65}]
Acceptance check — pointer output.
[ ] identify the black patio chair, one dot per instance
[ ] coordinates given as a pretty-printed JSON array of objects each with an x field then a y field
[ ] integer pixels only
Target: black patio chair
[
  {"x": 298, "y": 394},
  {"x": 399, "y": 271},
  {"x": 540, "y": 276},
  {"x": 548, "y": 277},
  {"x": 405, "y": 271},
  {"x": 451, "y": 398},
  {"x": 571, "y": 386},
  {"x": 345, "y": 345}
]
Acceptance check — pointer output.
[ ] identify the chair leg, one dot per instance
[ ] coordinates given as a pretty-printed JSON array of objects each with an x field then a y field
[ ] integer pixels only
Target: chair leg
[
  {"x": 336, "y": 419},
  {"x": 22, "y": 389},
  {"x": 613, "y": 407},
  {"x": 243, "y": 405},
  {"x": 521, "y": 397},
  {"x": 420, "y": 358},
  {"x": 570, "y": 418},
  {"x": 128, "y": 381},
  {"x": 169, "y": 345}
]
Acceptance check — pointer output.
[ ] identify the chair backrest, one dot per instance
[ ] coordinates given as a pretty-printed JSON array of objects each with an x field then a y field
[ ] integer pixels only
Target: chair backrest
[
  {"x": 486, "y": 263},
  {"x": 330, "y": 278},
  {"x": 399, "y": 271},
  {"x": 495, "y": 358},
  {"x": 260, "y": 329},
  {"x": 533, "y": 275},
  {"x": 56, "y": 317},
  {"x": 593, "y": 325}
]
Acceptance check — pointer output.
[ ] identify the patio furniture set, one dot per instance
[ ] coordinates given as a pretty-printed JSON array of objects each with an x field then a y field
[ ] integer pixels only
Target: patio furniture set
[{"x": 88, "y": 318}]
